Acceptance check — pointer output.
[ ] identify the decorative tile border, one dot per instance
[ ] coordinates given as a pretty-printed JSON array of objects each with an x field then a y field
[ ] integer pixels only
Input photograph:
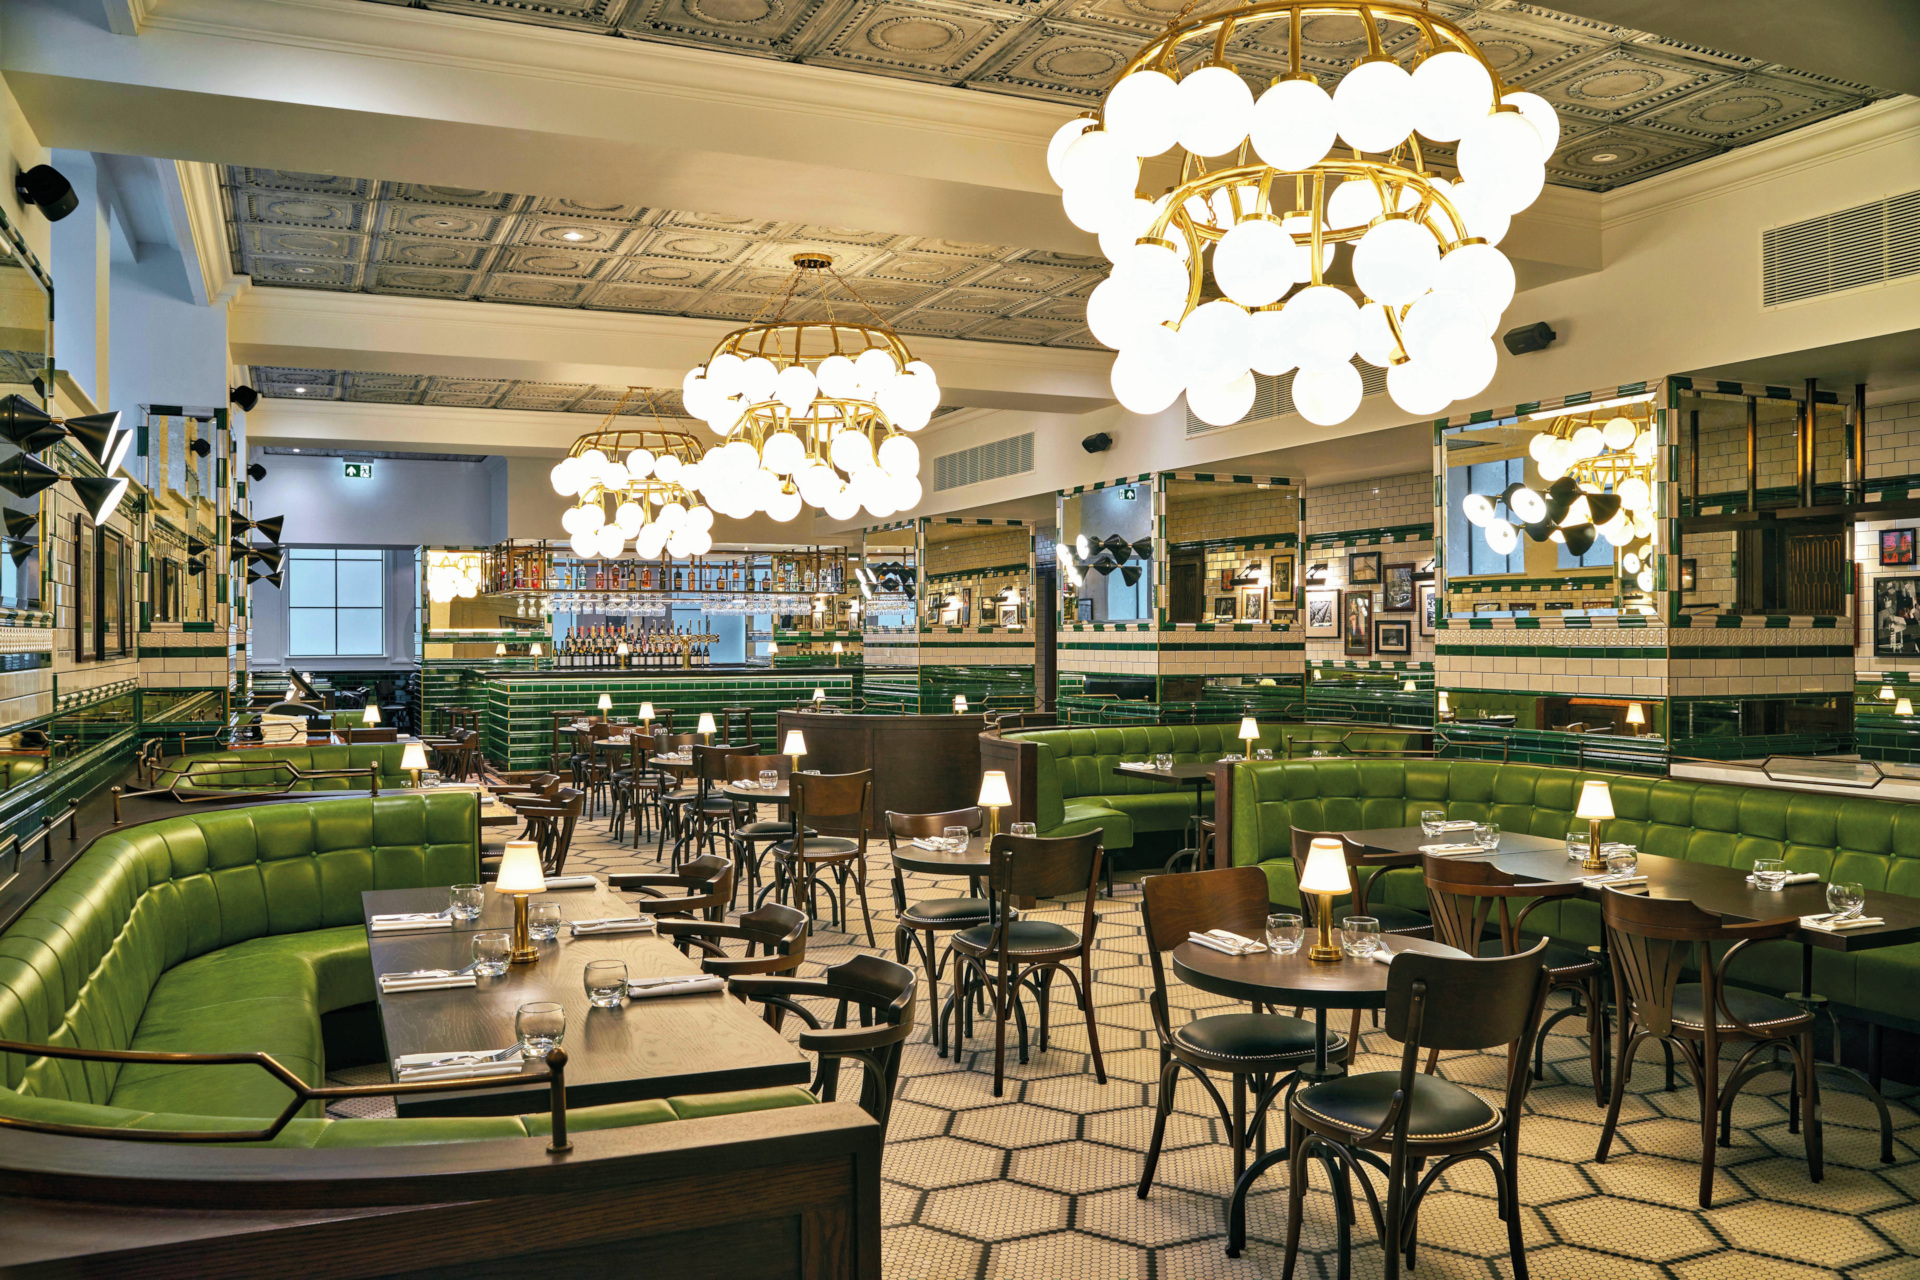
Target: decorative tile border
[
  {"x": 98, "y": 693},
  {"x": 1336, "y": 539}
]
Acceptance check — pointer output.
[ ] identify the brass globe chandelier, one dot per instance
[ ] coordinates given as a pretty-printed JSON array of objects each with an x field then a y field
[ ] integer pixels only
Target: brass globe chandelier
[
  {"x": 1263, "y": 203},
  {"x": 641, "y": 470},
  {"x": 816, "y": 411}
]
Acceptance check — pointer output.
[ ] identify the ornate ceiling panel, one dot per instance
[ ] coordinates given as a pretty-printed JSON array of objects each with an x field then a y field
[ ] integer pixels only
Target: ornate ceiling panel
[
  {"x": 314, "y": 231},
  {"x": 1633, "y": 104}
]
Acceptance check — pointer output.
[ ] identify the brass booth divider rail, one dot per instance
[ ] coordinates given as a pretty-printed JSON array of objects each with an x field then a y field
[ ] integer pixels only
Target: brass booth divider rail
[{"x": 201, "y": 769}]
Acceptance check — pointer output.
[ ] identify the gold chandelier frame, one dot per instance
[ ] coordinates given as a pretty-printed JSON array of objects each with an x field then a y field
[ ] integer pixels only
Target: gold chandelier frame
[
  {"x": 616, "y": 442},
  {"x": 1614, "y": 466}
]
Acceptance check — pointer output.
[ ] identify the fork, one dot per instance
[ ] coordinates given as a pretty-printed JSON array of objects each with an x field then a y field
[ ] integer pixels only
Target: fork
[{"x": 466, "y": 1059}]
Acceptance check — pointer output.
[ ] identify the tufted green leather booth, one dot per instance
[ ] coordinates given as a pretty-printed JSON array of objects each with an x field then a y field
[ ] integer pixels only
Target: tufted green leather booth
[
  {"x": 1874, "y": 842},
  {"x": 18, "y": 770},
  {"x": 234, "y": 776},
  {"x": 1078, "y": 791},
  {"x": 235, "y": 931}
]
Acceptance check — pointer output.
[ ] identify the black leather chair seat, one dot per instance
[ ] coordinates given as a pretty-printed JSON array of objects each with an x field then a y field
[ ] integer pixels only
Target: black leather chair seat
[
  {"x": 715, "y": 803},
  {"x": 947, "y": 911},
  {"x": 1023, "y": 935},
  {"x": 1392, "y": 919},
  {"x": 1755, "y": 1008},
  {"x": 822, "y": 846},
  {"x": 1441, "y": 1111},
  {"x": 1253, "y": 1035},
  {"x": 766, "y": 830},
  {"x": 682, "y": 795}
]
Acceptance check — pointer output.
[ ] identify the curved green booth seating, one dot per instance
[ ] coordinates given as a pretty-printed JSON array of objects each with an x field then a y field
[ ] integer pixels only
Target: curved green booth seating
[
  {"x": 1063, "y": 780},
  {"x": 18, "y": 770},
  {"x": 1873, "y": 842},
  {"x": 237, "y": 930},
  {"x": 234, "y": 774}
]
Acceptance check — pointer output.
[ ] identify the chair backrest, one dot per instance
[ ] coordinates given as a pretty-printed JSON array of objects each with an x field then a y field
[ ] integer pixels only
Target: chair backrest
[
  {"x": 567, "y": 803},
  {"x": 1463, "y": 893},
  {"x": 743, "y": 714},
  {"x": 775, "y": 934},
  {"x": 382, "y": 733},
  {"x": 1042, "y": 867},
  {"x": 667, "y": 744},
  {"x": 710, "y": 763},
  {"x": 917, "y": 825},
  {"x": 817, "y": 796},
  {"x": 744, "y": 766},
  {"x": 1231, "y": 898},
  {"x": 709, "y": 883},
  {"x": 1653, "y": 941},
  {"x": 1460, "y": 1002},
  {"x": 883, "y": 994}
]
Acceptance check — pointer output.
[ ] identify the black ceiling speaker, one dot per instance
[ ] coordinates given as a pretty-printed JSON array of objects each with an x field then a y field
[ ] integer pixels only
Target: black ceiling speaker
[
  {"x": 1098, "y": 442},
  {"x": 44, "y": 188},
  {"x": 21, "y": 550},
  {"x": 201, "y": 446},
  {"x": 99, "y": 494},
  {"x": 27, "y": 425},
  {"x": 24, "y": 476},
  {"x": 1129, "y": 573},
  {"x": 1580, "y": 538},
  {"x": 1529, "y": 338},
  {"x": 19, "y": 523},
  {"x": 274, "y": 578},
  {"x": 270, "y": 528},
  {"x": 245, "y": 397},
  {"x": 101, "y": 436},
  {"x": 256, "y": 472},
  {"x": 265, "y": 556},
  {"x": 1104, "y": 563}
]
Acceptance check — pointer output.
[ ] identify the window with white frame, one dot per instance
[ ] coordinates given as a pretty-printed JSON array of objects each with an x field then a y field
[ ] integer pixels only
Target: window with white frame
[{"x": 334, "y": 602}]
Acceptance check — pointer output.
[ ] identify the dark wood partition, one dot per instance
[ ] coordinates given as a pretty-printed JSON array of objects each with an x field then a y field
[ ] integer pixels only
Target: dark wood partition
[
  {"x": 1019, "y": 761},
  {"x": 921, "y": 764}
]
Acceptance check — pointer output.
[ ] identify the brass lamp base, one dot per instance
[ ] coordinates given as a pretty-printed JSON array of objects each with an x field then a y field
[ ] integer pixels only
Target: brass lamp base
[
  {"x": 524, "y": 952},
  {"x": 1593, "y": 861},
  {"x": 1324, "y": 949}
]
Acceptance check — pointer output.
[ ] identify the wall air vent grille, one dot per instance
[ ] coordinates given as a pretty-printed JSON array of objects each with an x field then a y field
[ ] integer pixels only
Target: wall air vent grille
[
  {"x": 1866, "y": 245},
  {"x": 1273, "y": 397},
  {"x": 1010, "y": 457}
]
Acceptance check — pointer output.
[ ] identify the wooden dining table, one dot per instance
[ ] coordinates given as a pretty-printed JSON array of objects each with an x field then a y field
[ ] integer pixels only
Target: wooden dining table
[{"x": 650, "y": 1048}]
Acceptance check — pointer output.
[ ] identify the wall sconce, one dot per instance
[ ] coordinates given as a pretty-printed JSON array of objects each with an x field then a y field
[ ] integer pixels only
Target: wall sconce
[{"x": 1317, "y": 573}]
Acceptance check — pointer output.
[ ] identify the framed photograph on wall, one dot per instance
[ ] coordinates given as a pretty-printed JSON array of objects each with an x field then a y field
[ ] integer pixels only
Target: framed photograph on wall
[
  {"x": 1280, "y": 581},
  {"x": 1253, "y": 604},
  {"x": 1690, "y": 568},
  {"x": 1896, "y": 548},
  {"x": 1009, "y": 614},
  {"x": 1396, "y": 595},
  {"x": 1363, "y": 568},
  {"x": 1393, "y": 635},
  {"x": 85, "y": 646},
  {"x": 1896, "y": 617},
  {"x": 1228, "y": 577},
  {"x": 1323, "y": 614},
  {"x": 1224, "y": 607},
  {"x": 1428, "y": 607},
  {"x": 114, "y": 591},
  {"x": 1357, "y": 626}
]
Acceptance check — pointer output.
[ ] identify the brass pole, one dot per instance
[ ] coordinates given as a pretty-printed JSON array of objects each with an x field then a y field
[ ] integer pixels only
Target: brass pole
[
  {"x": 1693, "y": 448},
  {"x": 1860, "y": 439},
  {"x": 1806, "y": 445},
  {"x": 1753, "y": 453}
]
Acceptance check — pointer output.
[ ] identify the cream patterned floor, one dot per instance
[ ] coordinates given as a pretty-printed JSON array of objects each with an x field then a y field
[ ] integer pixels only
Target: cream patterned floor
[{"x": 1039, "y": 1185}]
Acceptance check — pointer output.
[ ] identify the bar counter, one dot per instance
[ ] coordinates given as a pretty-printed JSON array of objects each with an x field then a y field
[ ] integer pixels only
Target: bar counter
[{"x": 516, "y": 701}]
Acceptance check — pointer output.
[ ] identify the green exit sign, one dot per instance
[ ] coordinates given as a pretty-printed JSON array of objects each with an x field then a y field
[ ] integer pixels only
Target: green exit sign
[{"x": 359, "y": 470}]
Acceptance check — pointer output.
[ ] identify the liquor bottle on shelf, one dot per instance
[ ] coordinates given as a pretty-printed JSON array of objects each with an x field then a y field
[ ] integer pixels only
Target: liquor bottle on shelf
[{"x": 679, "y": 580}]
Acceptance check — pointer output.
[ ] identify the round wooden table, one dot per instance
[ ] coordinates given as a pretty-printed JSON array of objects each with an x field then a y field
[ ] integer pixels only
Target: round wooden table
[
  {"x": 1265, "y": 978},
  {"x": 756, "y": 794},
  {"x": 970, "y": 862}
]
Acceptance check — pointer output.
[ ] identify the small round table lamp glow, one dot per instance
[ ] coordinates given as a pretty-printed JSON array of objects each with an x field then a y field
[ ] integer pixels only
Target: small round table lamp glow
[
  {"x": 1249, "y": 734},
  {"x": 819, "y": 696},
  {"x": 1409, "y": 687},
  {"x": 1636, "y": 718},
  {"x": 1886, "y": 693},
  {"x": 622, "y": 650},
  {"x": 960, "y": 703},
  {"x": 1596, "y": 806},
  {"x": 646, "y": 717},
  {"x": 500, "y": 651},
  {"x": 413, "y": 758},
  {"x": 1325, "y": 876},
  {"x": 795, "y": 746},
  {"x": 371, "y": 716},
  {"x": 606, "y": 704},
  {"x": 706, "y": 729},
  {"x": 520, "y": 875},
  {"x": 1904, "y": 707},
  {"x": 1444, "y": 710},
  {"x": 994, "y": 797}
]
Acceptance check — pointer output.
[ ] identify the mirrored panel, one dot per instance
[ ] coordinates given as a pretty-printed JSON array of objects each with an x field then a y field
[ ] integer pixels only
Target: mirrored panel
[
  {"x": 26, "y": 348},
  {"x": 889, "y": 578},
  {"x": 1106, "y": 554},
  {"x": 979, "y": 574}
]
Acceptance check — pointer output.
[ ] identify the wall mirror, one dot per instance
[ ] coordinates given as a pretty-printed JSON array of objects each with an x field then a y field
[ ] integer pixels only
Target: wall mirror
[
  {"x": 979, "y": 574},
  {"x": 889, "y": 577},
  {"x": 1232, "y": 552},
  {"x": 1106, "y": 554},
  {"x": 26, "y": 352}
]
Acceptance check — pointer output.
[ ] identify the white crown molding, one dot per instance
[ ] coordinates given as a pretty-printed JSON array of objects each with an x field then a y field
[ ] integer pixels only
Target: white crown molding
[
  {"x": 125, "y": 17},
  {"x": 1894, "y": 122},
  {"x": 200, "y": 228}
]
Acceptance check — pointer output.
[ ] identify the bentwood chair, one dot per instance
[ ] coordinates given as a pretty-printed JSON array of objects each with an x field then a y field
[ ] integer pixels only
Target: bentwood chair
[
  {"x": 1463, "y": 896},
  {"x": 744, "y": 716},
  {"x": 675, "y": 794},
  {"x": 775, "y": 937},
  {"x": 1392, "y": 919},
  {"x": 1410, "y": 1118},
  {"x": 918, "y": 924},
  {"x": 750, "y": 834},
  {"x": 834, "y": 800},
  {"x": 1651, "y": 941},
  {"x": 710, "y": 814},
  {"x": 1007, "y": 953},
  {"x": 1263, "y": 1050},
  {"x": 883, "y": 994},
  {"x": 705, "y": 884}
]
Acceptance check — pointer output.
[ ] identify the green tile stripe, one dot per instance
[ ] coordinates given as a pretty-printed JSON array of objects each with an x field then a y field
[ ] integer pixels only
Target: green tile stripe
[
  {"x": 1621, "y": 622},
  {"x": 1333, "y": 539},
  {"x": 1354, "y": 664},
  {"x": 190, "y": 651},
  {"x": 1755, "y": 622},
  {"x": 990, "y": 571},
  {"x": 1122, "y": 482},
  {"x": 1214, "y": 477}
]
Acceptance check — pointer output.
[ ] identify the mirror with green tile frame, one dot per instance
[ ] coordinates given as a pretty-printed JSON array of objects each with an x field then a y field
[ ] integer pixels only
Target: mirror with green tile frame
[
  {"x": 26, "y": 357},
  {"x": 1106, "y": 554},
  {"x": 889, "y": 577}
]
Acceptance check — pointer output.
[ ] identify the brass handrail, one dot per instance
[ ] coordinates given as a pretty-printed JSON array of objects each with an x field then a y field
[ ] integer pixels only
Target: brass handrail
[
  {"x": 47, "y": 825},
  {"x": 217, "y": 768},
  {"x": 303, "y": 1093}
]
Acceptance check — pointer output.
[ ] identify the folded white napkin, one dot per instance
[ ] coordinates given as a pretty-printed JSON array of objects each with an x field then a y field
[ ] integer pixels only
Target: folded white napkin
[
  {"x": 572, "y": 882},
  {"x": 614, "y": 924},
  {"x": 1450, "y": 850},
  {"x": 747, "y": 784},
  {"x": 1229, "y": 943},
  {"x": 678, "y": 985},
  {"x": 932, "y": 846},
  {"x": 1618, "y": 881},
  {"x": 408, "y": 926},
  {"x": 1829, "y": 926},
  {"x": 1382, "y": 956},
  {"x": 1457, "y": 824},
  {"x": 425, "y": 981},
  {"x": 1798, "y": 877},
  {"x": 1134, "y": 764},
  {"x": 455, "y": 1065}
]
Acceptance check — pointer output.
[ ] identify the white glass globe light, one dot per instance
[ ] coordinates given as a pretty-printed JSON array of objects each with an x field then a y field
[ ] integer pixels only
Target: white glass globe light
[
  {"x": 1636, "y": 495},
  {"x": 1156, "y": 278},
  {"x": 1538, "y": 446},
  {"x": 1472, "y": 372},
  {"x": 850, "y": 450},
  {"x": 1327, "y": 396},
  {"x": 591, "y": 463},
  {"x": 1373, "y": 105},
  {"x": 671, "y": 516},
  {"x": 1325, "y": 328},
  {"x": 724, "y": 373},
  {"x": 1501, "y": 158},
  {"x": 1482, "y": 273},
  {"x": 899, "y": 456},
  {"x": 1063, "y": 137},
  {"x": 1270, "y": 343},
  {"x": 628, "y": 518},
  {"x": 1221, "y": 404},
  {"x": 1293, "y": 125},
  {"x": 1215, "y": 343},
  {"x": 1478, "y": 508},
  {"x": 1125, "y": 227},
  {"x": 640, "y": 463},
  {"x": 795, "y": 388},
  {"x": 614, "y": 476},
  {"x": 841, "y": 504},
  {"x": 584, "y": 544},
  {"x": 1374, "y": 338},
  {"x": 1644, "y": 446},
  {"x": 1097, "y": 209},
  {"x": 836, "y": 379},
  {"x": 667, "y": 466},
  {"x": 1619, "y": 433},
  {"x": 1354, "y": 203},
  {"x": 1143, "y": 112},
  {"x": 1396, "y": 261},
  {"x": 569, "y": 520},
  {"x": 1113, "y": 315},
  {"x": 1417, "y": 388},
  {"x": 782, "y": 452},
  {"x": 1484, "y": 220},
  {"x": 698, "y": 542},
  {"x": 1587, "y": 442},
  {"x": 785, "y": 506},
  {"x": 1502, "y": 538},
  {"x": 699, "y": 518},
  {"x": 1098, "y": 161},
  {"x": 565, "y": 477},
  {"x": 758, "y": 379},
  {"x": 874, "y": 368},
  {"x": 591, "y": 517},
  {"x": 1257, "y": 262},
  {"x": 1617, "y": 531},
  {"x": 907, "y": 492},
  {"x": 1141, "y": 383},
  {"x": 1528, "y": 505},
  {"x": 649, "y": 541},
  {"x": 1644, "y": 579},
  {"x": 1215, "y": 110},
  {"x": 1442, "y": 327},
  {"x": 1541, "y": 115},
  {"x": 611, "y": 540},
  {"x": 1451, "y": 90}
]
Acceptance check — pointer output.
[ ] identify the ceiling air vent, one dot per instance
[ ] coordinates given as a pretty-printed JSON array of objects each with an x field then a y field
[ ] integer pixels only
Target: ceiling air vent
[
  {"x": 1010, "y": 457},
  {"x": 1868, "y": 244},
  {"x": 1273, "y": 397}
]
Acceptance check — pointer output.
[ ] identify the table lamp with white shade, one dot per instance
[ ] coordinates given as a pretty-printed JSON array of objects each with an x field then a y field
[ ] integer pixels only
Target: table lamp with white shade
[
  {"x": 819, "y": 696},
  {"x": 1326, "y": 877},
  {"x": 1636, "y": 718},
  {"x": 606, "y": 704},
  {"x": 535, "y": 651},
  {"x": 1596, "y": 806},
  {"x": 413, "y": 758},
  {"x": 1249, "y": 734},
  {"x": 1904, "y": 707},
  {"x": 646, "y": 717},
  {"x": 1444, "y": 710},
  {"x": 959, "y": 704},
  {"x": 520, "y": 874},
  {"x": 1886, "y": 693},
  {"x": 371, "y": 716},
  {"x": 1410, "y": 686},
  {"x": 795, "y": 746},
  {"x": 707, "y": 729},
  {"x": 994, "y": 797},
  {"x": 500, "y": 651}
]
